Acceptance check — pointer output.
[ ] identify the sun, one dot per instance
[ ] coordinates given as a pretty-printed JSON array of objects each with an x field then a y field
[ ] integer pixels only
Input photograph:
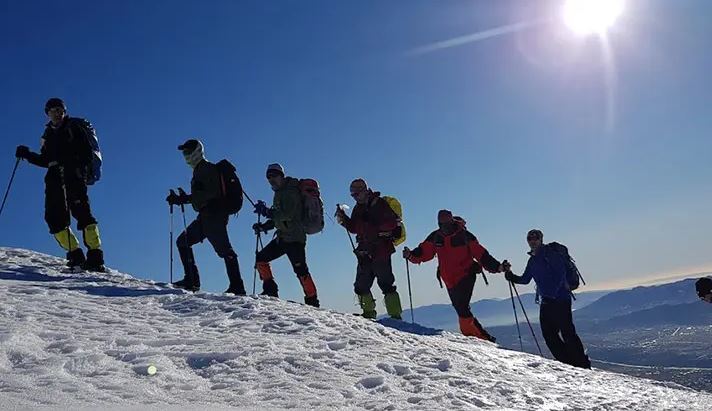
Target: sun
[{"x": 591, "y": 16}]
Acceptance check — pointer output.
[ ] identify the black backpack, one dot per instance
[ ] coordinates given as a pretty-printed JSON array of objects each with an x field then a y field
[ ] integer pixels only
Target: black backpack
[
  {"x": 231, "y": 187},
  {"x": 573, "y": 276},
  {"x": 92, "y": 141}
]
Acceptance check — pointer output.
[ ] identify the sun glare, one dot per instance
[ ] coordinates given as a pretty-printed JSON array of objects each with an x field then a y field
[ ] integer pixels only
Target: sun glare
[{"x": 591, "y": 16}]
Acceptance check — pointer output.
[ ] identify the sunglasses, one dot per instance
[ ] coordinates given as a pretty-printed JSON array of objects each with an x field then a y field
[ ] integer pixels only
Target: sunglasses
[
  {"x": 272, "y": 175},
  {"x": 356, "y": 194},
  {"x": 532, "y": 238}
]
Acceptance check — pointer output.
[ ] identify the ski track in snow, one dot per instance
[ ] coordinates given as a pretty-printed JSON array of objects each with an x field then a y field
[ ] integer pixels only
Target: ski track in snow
[{"x": 85, "y": 340}]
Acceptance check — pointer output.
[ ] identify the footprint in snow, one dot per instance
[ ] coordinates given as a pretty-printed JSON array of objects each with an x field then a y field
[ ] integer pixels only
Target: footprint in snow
[
  {"x": 336, "y": 345},
  {"x": 371, "y": 382},
  {"x": 444, "y": 365}
]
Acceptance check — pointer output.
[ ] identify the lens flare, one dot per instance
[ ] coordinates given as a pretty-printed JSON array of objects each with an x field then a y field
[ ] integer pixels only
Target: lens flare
[{"x": 591, "y": 16}]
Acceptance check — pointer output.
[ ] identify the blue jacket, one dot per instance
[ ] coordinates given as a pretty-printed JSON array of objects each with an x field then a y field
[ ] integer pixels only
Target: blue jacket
[{"x": 548, "y": 268}]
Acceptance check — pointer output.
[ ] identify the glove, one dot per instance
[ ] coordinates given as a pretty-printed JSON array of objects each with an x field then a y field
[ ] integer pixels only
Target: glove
[
  {"x": 505, "y": 266},
  {"x": 178, "y": 199},
  {"x": 259, "y": 228},
  {"x": 262, "y": 209},
  {"x": 340, "y": 215},
  {"x": 172, "y": 198},
  {"x": 406, "y": 253},
  {"x": 22, "y": 152},
  {"x": 509, "y": 276},
  {"x": 183, "y": 197}
]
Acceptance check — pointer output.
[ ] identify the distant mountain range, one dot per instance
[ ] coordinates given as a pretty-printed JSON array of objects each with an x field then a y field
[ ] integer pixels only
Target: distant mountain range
[{"x": 622, "y": 302}]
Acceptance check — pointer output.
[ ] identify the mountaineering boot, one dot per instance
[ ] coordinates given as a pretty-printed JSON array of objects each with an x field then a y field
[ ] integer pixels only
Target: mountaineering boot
[
  {"x": 487, "y": 335},
  {"x": 269, "y": 288},
  {"x": 189, "y": 283},
  {"x": 75, "y": 258},
  {"x": 191, "y": 276},
  {"x": 95, "y": 261},
  {"x": 309, "y": 290},
  {"x": 237, "y": 286},
  {"x": 470, "y": 327},
  {"x": 313, "y": 301},
  {"x": 368, "y": 305},
  {"x": 393, "y": 305},
  {"x": 191, "y": 279},
  {"x": 68, "y": 241},
  {"x": 237, "y": 289}
]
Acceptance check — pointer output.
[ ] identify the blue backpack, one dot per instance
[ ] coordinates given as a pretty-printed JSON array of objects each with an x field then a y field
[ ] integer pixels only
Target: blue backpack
[
  {"x": 572, "y": 278},
  {"x": 95, "y": 162}
]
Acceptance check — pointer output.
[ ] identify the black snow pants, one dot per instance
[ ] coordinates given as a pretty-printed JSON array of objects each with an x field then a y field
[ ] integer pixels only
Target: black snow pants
[{"x": 557, "y": 327}]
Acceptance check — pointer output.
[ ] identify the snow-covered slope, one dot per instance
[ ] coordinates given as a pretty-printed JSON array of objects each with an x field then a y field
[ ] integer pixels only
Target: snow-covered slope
[{"x": 86, "y": 340}]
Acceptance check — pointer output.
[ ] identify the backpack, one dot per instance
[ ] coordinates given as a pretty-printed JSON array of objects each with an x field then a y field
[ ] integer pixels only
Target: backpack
[
  {"x": 312, "y": 206},
  {"x": 395, "y": 205},
  {"x": 573, "y": 275},
  {"x": 232, "y": 193},
  {"x": 95, "y": 162}
]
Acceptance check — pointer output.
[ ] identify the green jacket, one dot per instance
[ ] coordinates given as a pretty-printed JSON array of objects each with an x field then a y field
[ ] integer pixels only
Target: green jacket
[
  {"x": 287, "y": 212},
  {"x": 205, "y": 190}
]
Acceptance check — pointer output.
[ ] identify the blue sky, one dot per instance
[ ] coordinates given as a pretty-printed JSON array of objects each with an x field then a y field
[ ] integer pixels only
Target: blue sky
[{"x": 513, "y": 132}]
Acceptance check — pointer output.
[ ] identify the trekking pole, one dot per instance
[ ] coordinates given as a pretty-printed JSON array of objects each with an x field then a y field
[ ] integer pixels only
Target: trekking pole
[
  {"x": 259, "y": 236},
  {"x": 351, "y": 240},
  {"x": 257, "y": 244},
  {"x": 410, "y": 294},
  {"x": 12, "y": 177},
  {"x": 185, "y": 225},
  {"x": 516, "y": 319},
  {"x": 69, "y": 210},
  {"x": 527, "y": 318},
  {"x": 171, "y": 243},
  {"x": 248, "y": 198}
]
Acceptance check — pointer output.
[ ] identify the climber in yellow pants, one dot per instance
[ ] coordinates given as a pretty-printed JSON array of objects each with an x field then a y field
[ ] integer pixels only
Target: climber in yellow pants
[{"x": 66, "y": 154}]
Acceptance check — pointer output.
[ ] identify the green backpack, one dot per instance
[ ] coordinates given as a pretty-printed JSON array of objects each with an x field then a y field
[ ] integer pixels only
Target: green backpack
[{"x": 398, "y": 209}]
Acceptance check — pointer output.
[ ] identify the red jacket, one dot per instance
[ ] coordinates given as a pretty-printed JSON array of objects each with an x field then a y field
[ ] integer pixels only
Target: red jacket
[
  {"x": 369, "y": 220},
  {"x": 456, "y": 254}
]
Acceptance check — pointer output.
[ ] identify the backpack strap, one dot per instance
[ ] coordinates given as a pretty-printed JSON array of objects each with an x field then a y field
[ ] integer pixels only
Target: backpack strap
[{"x": 472, "y": 258}]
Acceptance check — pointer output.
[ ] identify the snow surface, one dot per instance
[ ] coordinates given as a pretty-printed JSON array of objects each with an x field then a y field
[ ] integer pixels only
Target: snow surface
[{"x": 86, "y": 340}]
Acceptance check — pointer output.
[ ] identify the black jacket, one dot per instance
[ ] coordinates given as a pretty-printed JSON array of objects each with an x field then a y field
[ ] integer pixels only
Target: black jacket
[
  {"x": 65, "y": 146},
  {"x": 206, "y": 188}
]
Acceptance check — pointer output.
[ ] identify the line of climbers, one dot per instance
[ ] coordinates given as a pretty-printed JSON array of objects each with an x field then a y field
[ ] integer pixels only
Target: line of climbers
[{"x": 70, "y": 152}]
